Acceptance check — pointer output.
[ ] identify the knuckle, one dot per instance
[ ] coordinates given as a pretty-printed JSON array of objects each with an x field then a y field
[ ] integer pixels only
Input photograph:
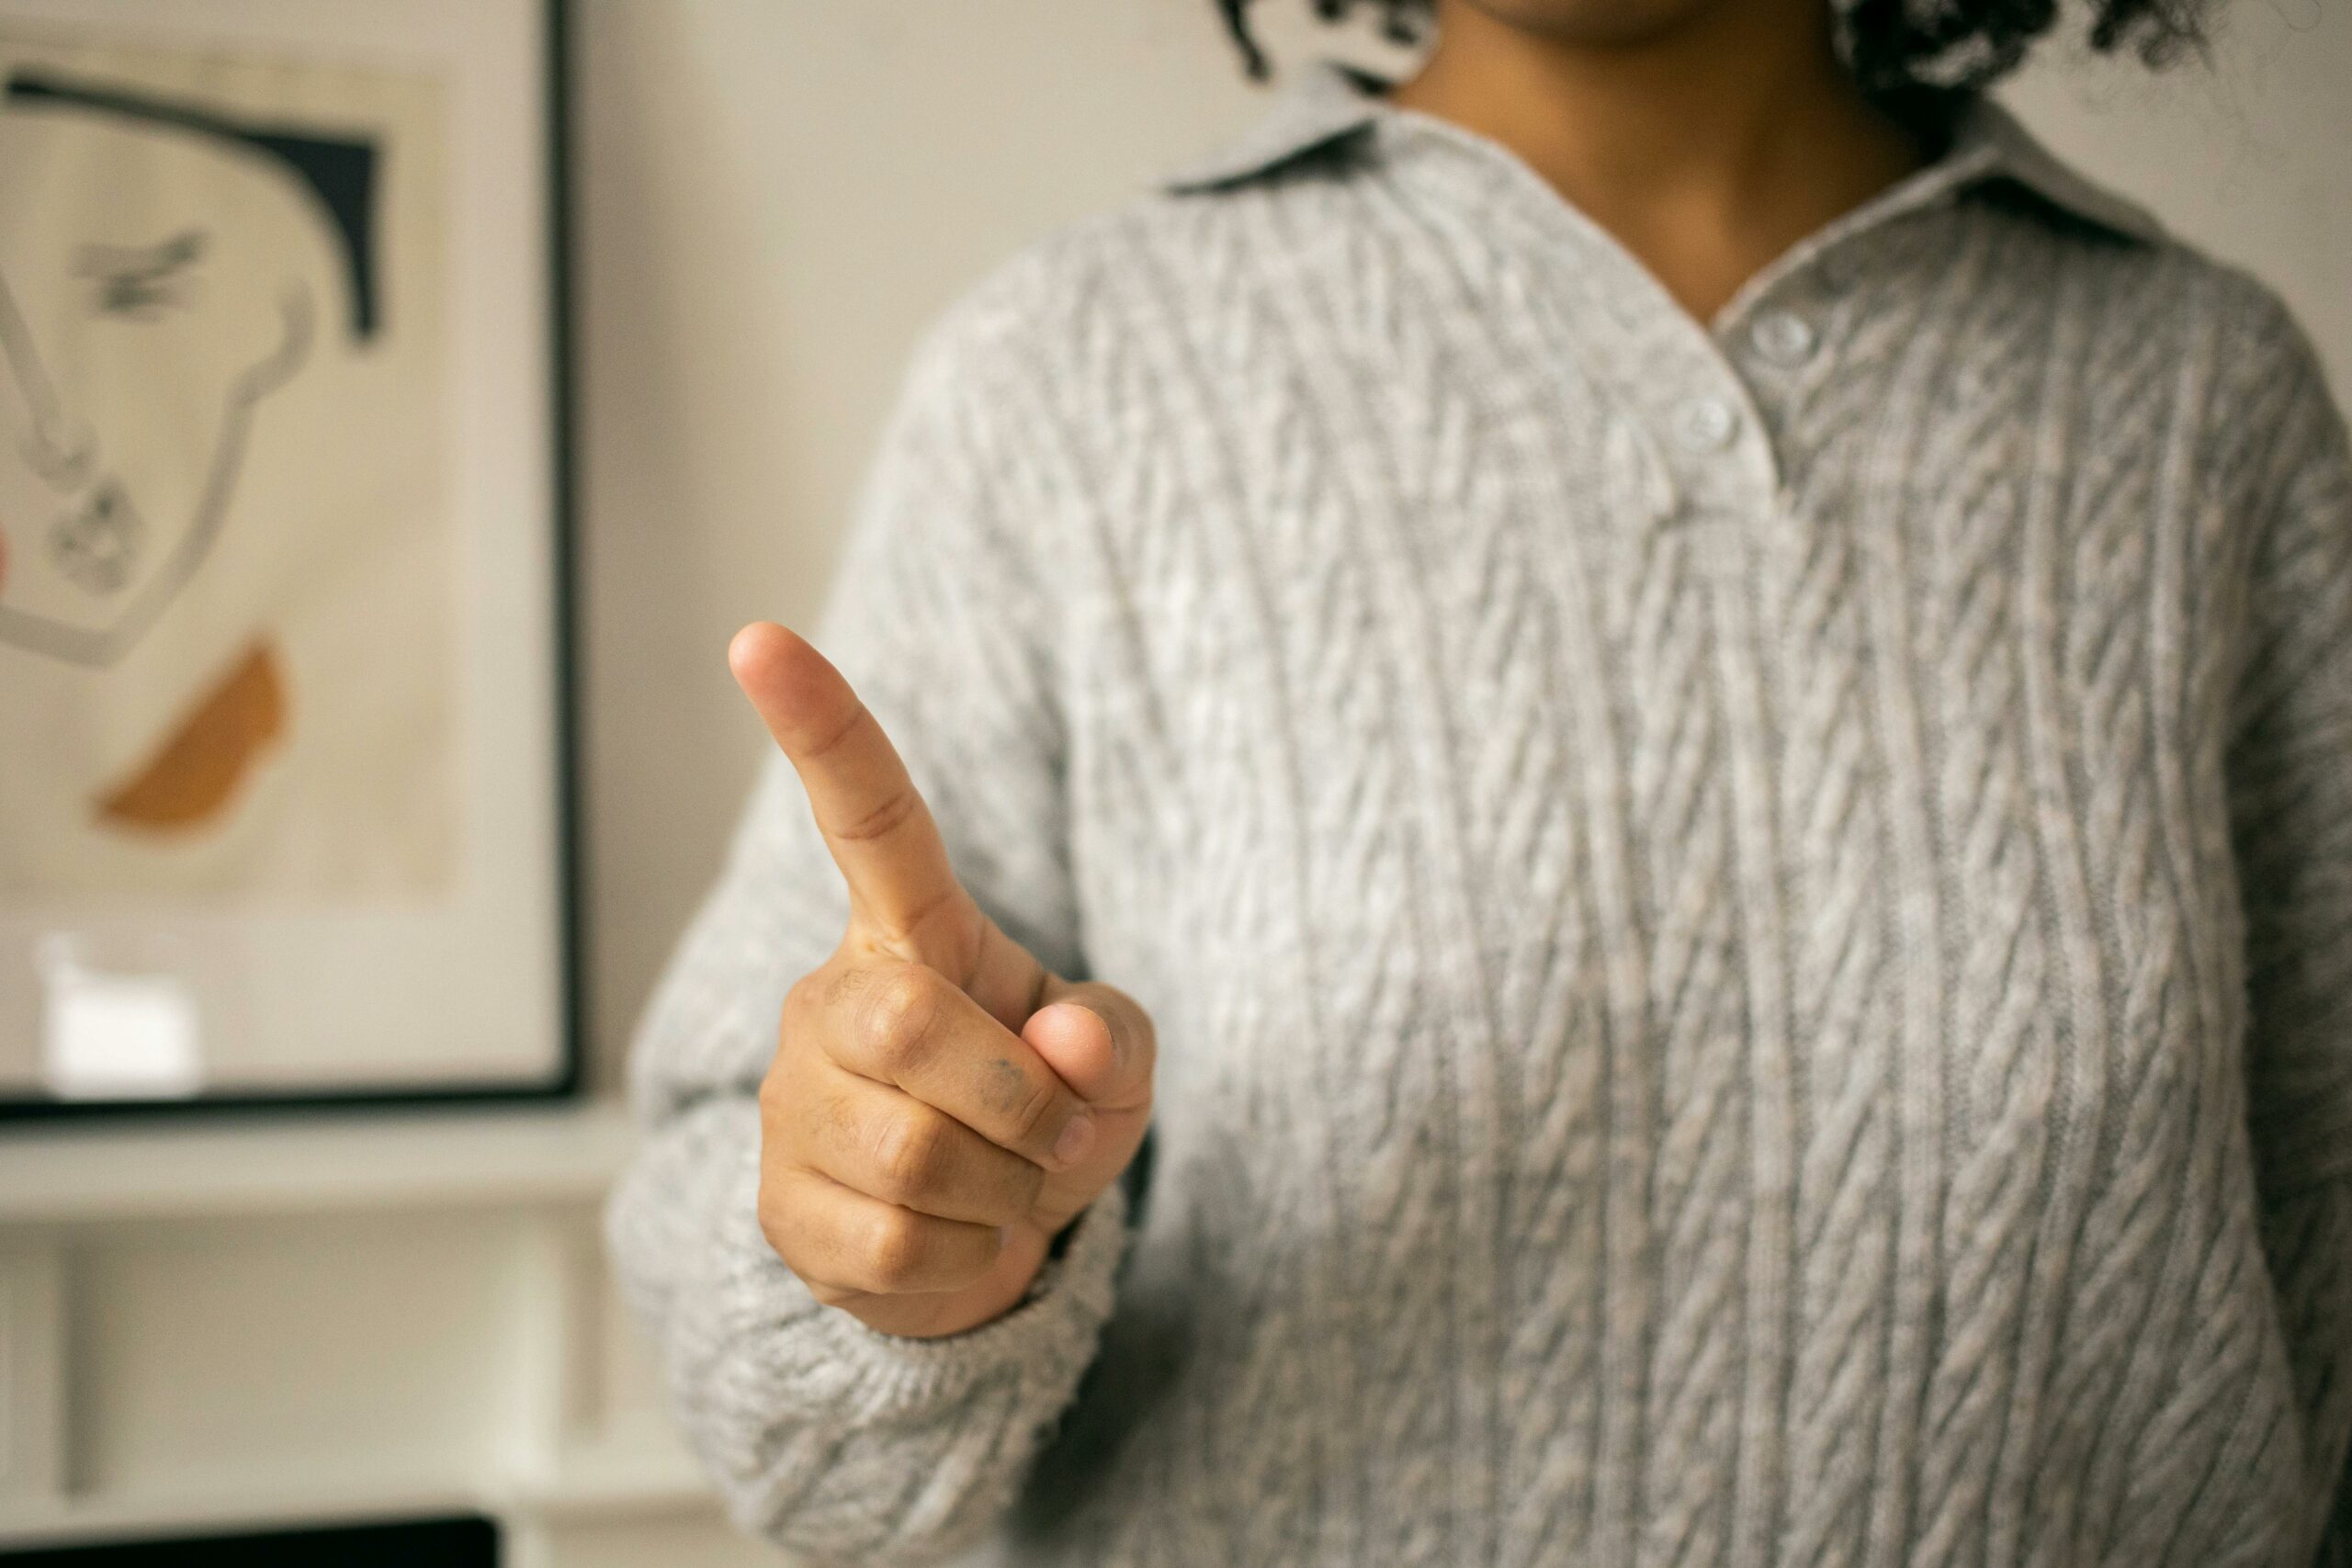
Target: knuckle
[
  {"x": 909, "y": 1150},
  {"x": 1040, "y": 1114},
  {"x": 900, "y": 1007},
  {"x": 856, "y": 716},
  {"x": 879, "y": 819},
  {"x": 896, "y": 1248}
]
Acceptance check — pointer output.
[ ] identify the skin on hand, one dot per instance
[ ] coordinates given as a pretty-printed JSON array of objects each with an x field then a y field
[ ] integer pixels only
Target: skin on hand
[{"x": 940, "y": 1104}]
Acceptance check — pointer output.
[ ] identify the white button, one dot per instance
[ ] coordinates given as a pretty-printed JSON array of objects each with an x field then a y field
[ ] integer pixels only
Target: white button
[
  {"x": 1706, "y": 424},
  {"x": 1783, "y": 337}
]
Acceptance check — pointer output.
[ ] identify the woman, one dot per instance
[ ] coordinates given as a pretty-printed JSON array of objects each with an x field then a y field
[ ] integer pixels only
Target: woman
[{"x": 1709, "y": 702}]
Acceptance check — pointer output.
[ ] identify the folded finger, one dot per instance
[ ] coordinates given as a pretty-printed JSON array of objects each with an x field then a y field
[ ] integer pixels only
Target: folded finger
[
  {"x": 911, "y": 1027},
  {"x": 883, "y": 1142},
  {"x": 838, "y": 1239}
]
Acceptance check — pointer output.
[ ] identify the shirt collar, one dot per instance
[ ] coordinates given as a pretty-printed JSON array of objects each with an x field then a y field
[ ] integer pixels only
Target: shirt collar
[
  {"x": 1330, "y": 103},
  {"x": 1326, "y": 103}
]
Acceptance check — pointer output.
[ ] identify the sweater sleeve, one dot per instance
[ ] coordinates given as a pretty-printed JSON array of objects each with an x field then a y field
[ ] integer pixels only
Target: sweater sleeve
[
  {"x": 833, "y": 1441},
  {"x": 2290, "y": 773}
]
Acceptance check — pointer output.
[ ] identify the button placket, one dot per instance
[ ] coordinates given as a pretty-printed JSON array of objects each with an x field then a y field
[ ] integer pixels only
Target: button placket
[
  {"x": 1721, "y": 448},
  {"x": 1704, "y": 442}
]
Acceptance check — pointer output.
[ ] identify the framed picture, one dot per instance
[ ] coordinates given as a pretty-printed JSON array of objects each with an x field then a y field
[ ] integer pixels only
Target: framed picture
[{"x": 285, "y": 740}]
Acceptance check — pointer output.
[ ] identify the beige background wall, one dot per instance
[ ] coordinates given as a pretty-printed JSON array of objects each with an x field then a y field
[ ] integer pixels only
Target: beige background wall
[{"x": 778, "y": 193}]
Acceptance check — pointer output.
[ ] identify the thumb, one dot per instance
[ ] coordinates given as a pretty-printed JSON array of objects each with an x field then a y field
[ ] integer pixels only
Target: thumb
[{"x": 1097, "y": 1039}]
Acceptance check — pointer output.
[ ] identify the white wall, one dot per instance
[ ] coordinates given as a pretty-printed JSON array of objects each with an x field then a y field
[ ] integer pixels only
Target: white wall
[{"x": 777, "y": 195}]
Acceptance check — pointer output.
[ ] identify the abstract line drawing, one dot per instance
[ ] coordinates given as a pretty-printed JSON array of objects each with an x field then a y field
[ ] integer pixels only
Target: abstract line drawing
[
  {"x": 103, "y": 541},
  {"x": 228, "y": 558}
]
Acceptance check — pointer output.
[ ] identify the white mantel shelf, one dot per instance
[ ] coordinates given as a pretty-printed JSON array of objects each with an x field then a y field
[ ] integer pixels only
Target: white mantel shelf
[
  {"x": 90, "y": 1173},
  {"x": 247, "y": 1320}
]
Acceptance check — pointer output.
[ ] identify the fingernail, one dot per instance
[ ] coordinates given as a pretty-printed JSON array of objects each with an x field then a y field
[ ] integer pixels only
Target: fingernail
[{"x": 1077, "y": 1133}]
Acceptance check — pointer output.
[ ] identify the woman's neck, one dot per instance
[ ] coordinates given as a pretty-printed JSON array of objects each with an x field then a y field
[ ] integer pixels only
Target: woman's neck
[{"x": 1707, "y": 146}]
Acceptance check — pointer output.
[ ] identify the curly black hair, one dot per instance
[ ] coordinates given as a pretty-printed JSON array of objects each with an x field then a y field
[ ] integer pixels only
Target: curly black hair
[{"x": 1902, "y": 51}]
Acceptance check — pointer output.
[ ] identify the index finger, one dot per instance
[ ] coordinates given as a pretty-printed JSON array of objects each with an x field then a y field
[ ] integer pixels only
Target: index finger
[{"x": 874, "y": 821}]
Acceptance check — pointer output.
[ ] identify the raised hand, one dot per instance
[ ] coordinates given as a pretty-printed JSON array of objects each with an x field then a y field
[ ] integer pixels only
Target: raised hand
[{"x": 940, "y": 1103}]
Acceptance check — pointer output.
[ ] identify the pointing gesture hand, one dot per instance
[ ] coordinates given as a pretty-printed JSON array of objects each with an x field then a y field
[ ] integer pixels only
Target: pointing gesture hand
[{"x": 940, "y": 1103}]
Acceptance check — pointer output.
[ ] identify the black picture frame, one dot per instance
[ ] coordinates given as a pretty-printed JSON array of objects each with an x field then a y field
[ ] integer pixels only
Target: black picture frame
[{"x": 565, "y": 1081}]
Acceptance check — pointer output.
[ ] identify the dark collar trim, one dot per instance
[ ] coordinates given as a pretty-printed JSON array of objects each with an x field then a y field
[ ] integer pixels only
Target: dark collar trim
[
  {"x": 1328, "y": 103},
  {"x": 2015, "y": 154}
]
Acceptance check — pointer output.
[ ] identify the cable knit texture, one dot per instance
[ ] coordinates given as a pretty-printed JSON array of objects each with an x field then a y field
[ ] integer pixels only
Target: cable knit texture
[{"x": 1751, "y": 927}]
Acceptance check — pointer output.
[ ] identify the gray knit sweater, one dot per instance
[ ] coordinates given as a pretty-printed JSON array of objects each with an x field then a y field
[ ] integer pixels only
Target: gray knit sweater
[{"x": 1751, "y": 929}]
